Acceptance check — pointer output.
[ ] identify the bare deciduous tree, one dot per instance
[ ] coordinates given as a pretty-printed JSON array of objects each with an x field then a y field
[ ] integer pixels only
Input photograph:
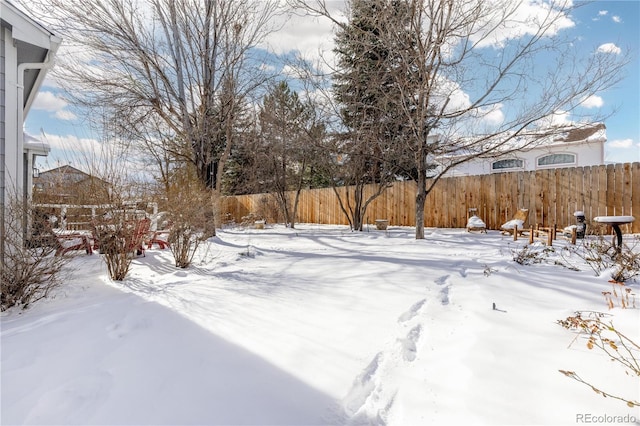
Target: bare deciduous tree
[
  {"x": 169, "y": 73},
  {"x": 480, "y": 79},
  {"x": 288, "y": 134}
]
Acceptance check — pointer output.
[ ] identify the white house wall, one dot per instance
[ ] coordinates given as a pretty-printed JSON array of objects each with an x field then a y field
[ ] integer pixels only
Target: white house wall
[
  {"x": 26, "y": 50},
  {"x": 12, "y": 163},
  {"x": 587, "y": 154},
  {"x": 2, "y": 121}
]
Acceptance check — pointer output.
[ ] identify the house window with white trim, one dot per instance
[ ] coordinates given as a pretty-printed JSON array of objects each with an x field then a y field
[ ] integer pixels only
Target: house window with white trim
[
  {"x": 556, "y": 160},
  {"x": 507, "y": 165}
]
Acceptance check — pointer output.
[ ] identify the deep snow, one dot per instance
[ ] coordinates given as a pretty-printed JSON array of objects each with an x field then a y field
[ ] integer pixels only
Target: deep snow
[{"x": 316, "y": 325}]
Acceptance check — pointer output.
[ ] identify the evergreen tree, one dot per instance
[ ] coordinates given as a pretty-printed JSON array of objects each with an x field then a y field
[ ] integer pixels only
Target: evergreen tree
[
  {"x": 369, "y": 49},
  {"x": 287, "y": 133}
]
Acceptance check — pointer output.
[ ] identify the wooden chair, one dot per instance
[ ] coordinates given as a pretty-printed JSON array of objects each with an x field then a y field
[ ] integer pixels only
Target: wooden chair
[
  {"x": 159, "y": 237},
  {"x": 72, "y": 242},
  {"x": 516, "y": 224},
  {"x": 139, "y": 234},
  {"x": 128, "y": 237},
  {"x": 474, "y": 223}
]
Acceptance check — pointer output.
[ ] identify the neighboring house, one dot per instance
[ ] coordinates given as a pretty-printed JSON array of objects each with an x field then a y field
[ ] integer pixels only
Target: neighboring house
[
  {"x": 68, "y": 185},
  {"x": 577, "y": 148},
  {"x": 26, "y": 53}
]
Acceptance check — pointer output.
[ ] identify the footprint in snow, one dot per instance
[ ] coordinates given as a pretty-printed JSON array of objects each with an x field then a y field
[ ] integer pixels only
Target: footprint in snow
[
  {"x": 408, "y": 344},
  {"x": 463, "y": 269},
  {"x": 444, "y": 292},
  {"x": 442, "y": 280},
  {"x": 412, "y": 312},
  {"x": 363, "y": 386},
  {"x": 371, "y": 397},
  {"x": 444, "y": 295}
]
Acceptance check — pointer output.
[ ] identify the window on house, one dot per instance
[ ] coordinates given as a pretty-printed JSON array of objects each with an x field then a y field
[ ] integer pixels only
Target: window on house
[
  {"x": 555, "y": 159},
  {"x": 503, "y": 165}
]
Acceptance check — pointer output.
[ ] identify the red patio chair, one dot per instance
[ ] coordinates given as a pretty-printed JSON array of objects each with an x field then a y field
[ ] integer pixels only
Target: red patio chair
[
  {"x": 159, "y": 237},
  {"x": 129, "y": 237},
  {"x": 71, "y": 242},
  {"x": 138, "y": 236}
]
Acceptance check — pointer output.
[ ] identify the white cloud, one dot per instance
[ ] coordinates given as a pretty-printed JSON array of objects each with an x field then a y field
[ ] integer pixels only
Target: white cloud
[
  {"x": 50, "y": 81},
  {"x": 524, "y": 19},
  {"x": 267, "y": 67},
  {"x": 456, "y": 99},
  {"x": 603, "y": 12},
  {"x": 592, "y": 101},
  {"x": 620, "y": 143},
  {"x": 292, "y": 71},
  {"x": 313, "y": 37},
  {"x": 310, "y": 37},
  {"x": 616, "y": 19},
  {"x": 89, "y": 154},
  {"x": 558, "y": 118},
  {"x": 65, "y": 115},
  {"x": 73, "y": 143},
  {"x": 496, "y": 116},
  {"x": 609, "y": 48},
  {"x": 450, "y": 92},
  {"x": 48, "y": 101}
]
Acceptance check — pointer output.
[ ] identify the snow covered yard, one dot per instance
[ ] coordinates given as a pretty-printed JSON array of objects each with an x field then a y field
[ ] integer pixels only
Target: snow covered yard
[{"x": 317, "y": 325}]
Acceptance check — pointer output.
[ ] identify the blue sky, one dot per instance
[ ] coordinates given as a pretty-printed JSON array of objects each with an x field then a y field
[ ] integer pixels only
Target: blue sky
[
  {"x": 618, "y": 22},
  {"x": 610, "y": 25}
]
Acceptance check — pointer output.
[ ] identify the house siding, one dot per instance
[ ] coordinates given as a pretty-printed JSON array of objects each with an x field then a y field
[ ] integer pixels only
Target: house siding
[
  {"x": 11, "y": 172},
  {"x": 586, "y": 154},
  {"x": 2, "y": 140},
  {"x": 22, "y": 40},
  {"x": 2, "y": 121}
]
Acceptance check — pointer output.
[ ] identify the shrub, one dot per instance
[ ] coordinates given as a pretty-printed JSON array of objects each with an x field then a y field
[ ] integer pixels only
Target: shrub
[
  {"x": 112, "y": 236},
  {"x": 191, "y": 214},
  {"x": 601, "y": 255},
  {"x": 619, "y": 293},
  {"x": 531, "y": 254},
  {"x": 605, "y": 337},
  {"x": 30, "y": 269},
  {"x": 120, "y": 235},
  {"x": 626, "y": 266},
  {"x": 249, "y": 220}
]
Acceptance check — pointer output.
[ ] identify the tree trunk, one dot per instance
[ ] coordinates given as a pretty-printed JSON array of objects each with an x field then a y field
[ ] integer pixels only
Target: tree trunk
[
  {"x": 421, "y": 193},
  {"x": 357, "y": 209},
  {"x": 421, "y": 196}
]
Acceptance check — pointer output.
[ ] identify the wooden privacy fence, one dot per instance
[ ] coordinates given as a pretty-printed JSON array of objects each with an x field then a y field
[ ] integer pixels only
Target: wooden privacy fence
[{"x": 551, "y": 195}]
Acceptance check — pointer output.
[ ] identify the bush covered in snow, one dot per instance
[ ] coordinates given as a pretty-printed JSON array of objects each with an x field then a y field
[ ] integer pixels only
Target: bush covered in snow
[{"x": 30, "y": 269}]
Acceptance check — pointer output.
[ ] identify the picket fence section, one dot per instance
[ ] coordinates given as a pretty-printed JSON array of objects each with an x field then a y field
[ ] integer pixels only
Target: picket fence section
[{"x": 551, "y": 195}]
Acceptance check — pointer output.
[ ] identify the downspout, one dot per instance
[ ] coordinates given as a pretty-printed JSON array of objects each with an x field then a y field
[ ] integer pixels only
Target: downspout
[
  {"x": 54, "y": 44},
  {"x": 22, "y": 68},
  {"x": 21, "y": 105}
]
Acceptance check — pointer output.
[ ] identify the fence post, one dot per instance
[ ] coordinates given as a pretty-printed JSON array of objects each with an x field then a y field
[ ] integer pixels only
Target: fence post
[
  {"x": 63, "y": 218},
  {"x": 539, "y": 191}
]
